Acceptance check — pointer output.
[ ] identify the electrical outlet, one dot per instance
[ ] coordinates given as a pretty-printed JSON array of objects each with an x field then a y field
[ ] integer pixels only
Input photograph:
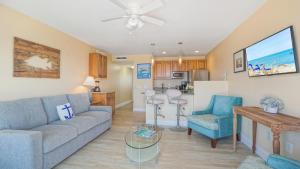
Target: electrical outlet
[{"x": 289, "y": 147}]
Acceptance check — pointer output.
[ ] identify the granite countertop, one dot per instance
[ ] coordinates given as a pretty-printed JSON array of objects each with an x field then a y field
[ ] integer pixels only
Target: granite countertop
[{"x": 160, "y": 90}]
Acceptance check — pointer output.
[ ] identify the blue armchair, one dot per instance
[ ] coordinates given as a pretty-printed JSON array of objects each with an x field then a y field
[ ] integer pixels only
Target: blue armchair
[{"x": 216, "y": 121}]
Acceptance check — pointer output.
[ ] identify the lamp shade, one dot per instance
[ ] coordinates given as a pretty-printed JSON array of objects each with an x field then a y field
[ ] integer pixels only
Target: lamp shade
[{"x": 89, "y": 81}]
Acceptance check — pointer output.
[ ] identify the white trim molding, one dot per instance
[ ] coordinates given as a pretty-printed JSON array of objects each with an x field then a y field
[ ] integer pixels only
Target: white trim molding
[
  {"x": 139, "y": 110},
  {"x": 259, "y": 150},
  {"x": 123, "y": 104}
]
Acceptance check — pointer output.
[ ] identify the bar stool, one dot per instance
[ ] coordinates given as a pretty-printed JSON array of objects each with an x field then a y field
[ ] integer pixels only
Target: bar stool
[
  {"x": 151, "y": 99},
  {"x": 174, "y": 97}
]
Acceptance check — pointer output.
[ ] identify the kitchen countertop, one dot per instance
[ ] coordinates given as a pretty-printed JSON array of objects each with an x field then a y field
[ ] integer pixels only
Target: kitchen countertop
[{"x": 160, "y": 90}]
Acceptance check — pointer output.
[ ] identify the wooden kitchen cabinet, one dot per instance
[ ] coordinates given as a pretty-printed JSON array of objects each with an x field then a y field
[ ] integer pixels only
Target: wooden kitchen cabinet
[
  {"x": 97, "y": 65},
  {"x": 162, "y": 69},
  {"x": 104, "y": 99}
]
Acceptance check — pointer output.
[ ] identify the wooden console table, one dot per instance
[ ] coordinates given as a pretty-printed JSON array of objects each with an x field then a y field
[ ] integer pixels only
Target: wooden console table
[{"x": 277, "y": 122}]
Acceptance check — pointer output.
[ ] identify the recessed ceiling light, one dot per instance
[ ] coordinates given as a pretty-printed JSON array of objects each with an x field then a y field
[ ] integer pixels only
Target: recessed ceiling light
[
  {"x": 197, "y": 51},
  {"x": 164, "y": 52}
]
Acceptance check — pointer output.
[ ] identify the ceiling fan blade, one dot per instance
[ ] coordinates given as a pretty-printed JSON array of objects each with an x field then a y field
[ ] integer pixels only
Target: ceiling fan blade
[
  {"x": 152, "y": 20},
  {"x": 155, "y": 4},
  {"x": 116, "y": 18},
  {"x": 120, "y": 3}
]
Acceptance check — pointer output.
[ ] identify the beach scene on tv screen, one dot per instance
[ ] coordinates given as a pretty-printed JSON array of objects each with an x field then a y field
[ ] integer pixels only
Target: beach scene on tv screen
[{"x": 274, "y": 55}]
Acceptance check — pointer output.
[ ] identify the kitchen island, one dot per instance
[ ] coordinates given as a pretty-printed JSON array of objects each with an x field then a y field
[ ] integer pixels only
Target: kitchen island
[{"x": 197, "y": 99}]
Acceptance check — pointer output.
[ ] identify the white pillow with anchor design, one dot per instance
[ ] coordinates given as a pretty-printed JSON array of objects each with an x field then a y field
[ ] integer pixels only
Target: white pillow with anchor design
[{"x": 65, "y": 112}]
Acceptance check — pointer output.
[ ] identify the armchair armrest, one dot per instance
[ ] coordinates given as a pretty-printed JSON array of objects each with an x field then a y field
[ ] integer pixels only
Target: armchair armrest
[
  {"x": 280, "y": 162},
  {"x": 101, "y": 108},
  {"x": 225, "y": 123},
  {"x": 21, "y": 149},
  {"x": 201, "y": 112}
]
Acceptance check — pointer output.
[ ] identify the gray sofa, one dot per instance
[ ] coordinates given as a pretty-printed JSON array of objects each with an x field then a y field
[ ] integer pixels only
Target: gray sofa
[{"x": 33, "y": 137}]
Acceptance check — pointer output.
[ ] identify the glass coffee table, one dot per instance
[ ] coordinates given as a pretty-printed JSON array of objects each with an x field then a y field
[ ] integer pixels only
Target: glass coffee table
[{"x": 140, "y": 149}]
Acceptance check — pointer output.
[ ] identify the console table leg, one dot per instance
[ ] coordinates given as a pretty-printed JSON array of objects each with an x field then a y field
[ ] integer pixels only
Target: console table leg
[
  {"x": 234, "y": 130},
  {"x": 276, "y": 140},
  {"x": 254, "y": 129}
]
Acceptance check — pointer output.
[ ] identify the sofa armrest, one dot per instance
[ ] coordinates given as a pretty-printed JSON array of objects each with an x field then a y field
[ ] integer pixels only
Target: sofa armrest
[
  {"x": 201, "y": 112},
  {"x": 280, "y": 162},
  {"x": 21, "y": 149},
  {"x": 225, "y": 123},
  {"x": 101, "y": 108}
]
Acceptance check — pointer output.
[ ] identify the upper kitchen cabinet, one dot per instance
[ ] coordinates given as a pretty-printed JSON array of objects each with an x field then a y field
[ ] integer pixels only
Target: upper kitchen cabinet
[
  {"x": 98, "y": 65},
  {"x": 162, "y": 69}
]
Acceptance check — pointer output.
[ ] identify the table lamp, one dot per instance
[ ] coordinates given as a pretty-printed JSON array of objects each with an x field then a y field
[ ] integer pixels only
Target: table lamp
[{"x": 90, "y": 82}]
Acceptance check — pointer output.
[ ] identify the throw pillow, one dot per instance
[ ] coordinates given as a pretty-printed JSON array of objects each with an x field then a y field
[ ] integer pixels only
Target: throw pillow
[{"x": 65, "y": 112}]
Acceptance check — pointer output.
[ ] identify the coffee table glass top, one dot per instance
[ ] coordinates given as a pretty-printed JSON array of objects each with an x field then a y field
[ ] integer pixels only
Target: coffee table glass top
[{"x": 137, "y": 142}]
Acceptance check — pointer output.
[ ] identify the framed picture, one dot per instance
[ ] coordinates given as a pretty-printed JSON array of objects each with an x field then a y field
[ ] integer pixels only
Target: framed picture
[
  {"x": 34, "y": 60},
  {"x": 143, "y": 71},
  {"x": 239, "y": 64}
]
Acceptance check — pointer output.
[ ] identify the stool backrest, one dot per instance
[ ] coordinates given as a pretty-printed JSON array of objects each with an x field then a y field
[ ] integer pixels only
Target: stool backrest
[
  {"x": 149, "y": 94},
  {"x": 173, "y": 94}
]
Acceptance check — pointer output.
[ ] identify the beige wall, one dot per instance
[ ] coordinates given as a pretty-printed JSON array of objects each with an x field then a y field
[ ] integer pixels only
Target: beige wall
[
  {"x": 139, "y": 85},
  {"x": 74, "y": 62},
  {"x": 119, "y": 79},
  {"x": 272, "y": 17},
  {"x": 74, "y": 58}
]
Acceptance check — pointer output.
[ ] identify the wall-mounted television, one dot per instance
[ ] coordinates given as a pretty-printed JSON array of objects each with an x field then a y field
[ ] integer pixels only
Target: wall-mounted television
[{"x": 275, "y": 54}]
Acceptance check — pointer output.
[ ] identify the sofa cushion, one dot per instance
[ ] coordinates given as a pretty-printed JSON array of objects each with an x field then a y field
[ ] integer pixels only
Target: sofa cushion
[
  {"x": 55, "y": 135},
  {"x": 100, "y": 116},
  {"x": 208, "y": 121},
  {"x": 50, "y": 104},
  {"x": 81, "y": 123},
  {"x": 79, "y": 102},
  {"x": 22, "y": 114},
  {"x": 253, "y": 162}
]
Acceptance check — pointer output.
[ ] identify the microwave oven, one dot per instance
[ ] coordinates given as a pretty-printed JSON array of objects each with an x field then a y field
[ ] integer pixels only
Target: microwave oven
[{"x": 178, "y": 75}]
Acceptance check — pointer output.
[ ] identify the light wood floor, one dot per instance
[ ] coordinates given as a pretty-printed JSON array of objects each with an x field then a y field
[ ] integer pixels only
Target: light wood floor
[{"x": 178, "y": 150}]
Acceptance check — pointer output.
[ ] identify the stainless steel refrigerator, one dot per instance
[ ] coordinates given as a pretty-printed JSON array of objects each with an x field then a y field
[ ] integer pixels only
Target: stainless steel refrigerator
[{"x": 198, "y": 75}]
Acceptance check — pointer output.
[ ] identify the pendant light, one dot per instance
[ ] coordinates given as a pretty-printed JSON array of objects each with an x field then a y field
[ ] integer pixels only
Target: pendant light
[
  {"x": 152, "y": 52},
  {"x": 180, "y": 52}
]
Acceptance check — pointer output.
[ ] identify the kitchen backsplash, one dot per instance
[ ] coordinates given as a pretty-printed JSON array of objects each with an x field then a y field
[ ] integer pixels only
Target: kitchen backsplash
[{"x": 168, "y": 83}]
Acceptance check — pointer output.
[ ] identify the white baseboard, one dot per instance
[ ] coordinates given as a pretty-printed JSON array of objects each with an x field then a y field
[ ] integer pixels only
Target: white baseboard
[
  {"x": 168, "y": 123},
  {"x": 123, "y": 104},
  {"x": 259, "y": 150},
  {"x": 139, "y": 110}
]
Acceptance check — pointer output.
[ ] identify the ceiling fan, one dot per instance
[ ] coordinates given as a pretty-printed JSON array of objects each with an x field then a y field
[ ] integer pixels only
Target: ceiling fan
[{"x": 137, "y": 14}]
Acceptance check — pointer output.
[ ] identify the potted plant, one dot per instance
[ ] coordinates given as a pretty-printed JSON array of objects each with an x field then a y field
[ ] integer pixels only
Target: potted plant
[{"x": 271, "y": 104}]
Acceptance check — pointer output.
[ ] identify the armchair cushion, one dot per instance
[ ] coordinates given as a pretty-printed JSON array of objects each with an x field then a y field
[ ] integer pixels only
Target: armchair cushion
[{"x": 208, "y": 121}]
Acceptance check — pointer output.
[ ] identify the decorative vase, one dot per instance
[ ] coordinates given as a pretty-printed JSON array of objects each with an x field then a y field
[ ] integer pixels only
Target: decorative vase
[{"x": 270, "y": 109}]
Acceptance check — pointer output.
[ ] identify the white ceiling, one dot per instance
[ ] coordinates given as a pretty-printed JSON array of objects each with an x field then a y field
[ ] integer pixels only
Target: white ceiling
[{"x": 200, "y": 24}]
